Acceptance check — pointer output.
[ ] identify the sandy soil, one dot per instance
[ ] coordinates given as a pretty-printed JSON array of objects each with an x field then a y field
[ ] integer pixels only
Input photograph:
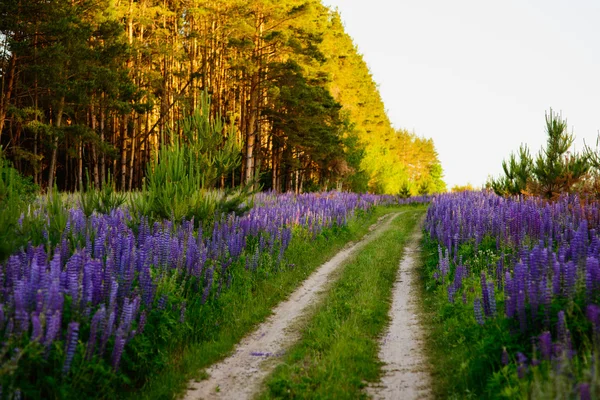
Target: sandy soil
[
  {"x": 405, "y": 371},
  {"x": 240, "y": 375}
]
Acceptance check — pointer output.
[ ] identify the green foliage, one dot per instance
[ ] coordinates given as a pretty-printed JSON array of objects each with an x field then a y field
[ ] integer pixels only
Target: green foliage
[
  {"x": 552, "y": 172},
  {"x": 436, "y": 179},
  {"x": 102, "y": 81},
  {"x": 178, "y": 181},
  {"x": 391, "y": 157},
  {"x": 57, "y": 214},
  {"x": 15, "y": 193},
  {"x": 556, "y": 170},
  {"x": 517, "y": 173},
  {"x": 103, "y": 201},
  {"x": 357, "y": 180},
  {"x": 405, "y": 190},
  {"x": 304, "y": 116},
  {"x": 467, "y": 355}
]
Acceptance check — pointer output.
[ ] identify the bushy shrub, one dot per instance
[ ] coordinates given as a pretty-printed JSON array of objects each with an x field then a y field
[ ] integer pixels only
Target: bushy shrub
[
  {"x": 179, "y": 182},
  {"x": 15, "y": 193}
]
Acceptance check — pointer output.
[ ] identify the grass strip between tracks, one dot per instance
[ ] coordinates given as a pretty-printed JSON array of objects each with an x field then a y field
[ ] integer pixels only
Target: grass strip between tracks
[
  {"x": 338, "y": 352},
  {"x": 242, "y": 309}
]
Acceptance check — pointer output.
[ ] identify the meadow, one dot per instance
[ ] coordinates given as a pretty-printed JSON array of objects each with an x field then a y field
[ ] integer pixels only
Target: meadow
[
  {"x": 174, "y": 173},
  {"x": 511, "y": 286},
  {"x": 96, "y": 303}
]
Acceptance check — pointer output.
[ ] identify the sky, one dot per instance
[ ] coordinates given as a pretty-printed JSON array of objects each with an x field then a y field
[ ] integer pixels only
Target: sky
[{"x": 478, "y": 76}]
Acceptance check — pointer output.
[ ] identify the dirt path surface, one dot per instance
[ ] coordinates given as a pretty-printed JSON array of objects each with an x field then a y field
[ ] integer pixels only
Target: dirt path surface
[
  {"x": 405, "y": 371},
  {"x": 240, "y": 375}
]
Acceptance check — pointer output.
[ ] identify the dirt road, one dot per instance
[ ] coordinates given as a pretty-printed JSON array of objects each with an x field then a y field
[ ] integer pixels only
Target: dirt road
[{"x": 240, "y": 375}]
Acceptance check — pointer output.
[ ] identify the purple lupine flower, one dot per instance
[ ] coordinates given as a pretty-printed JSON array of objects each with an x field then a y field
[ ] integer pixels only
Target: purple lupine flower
[
  {"x": 592, "y": 312},
  {"x": 162, "y": 302},
  {"x": 570, "y": 278},
  {"x": 522, "y": 362},
  {"x": 561, "y": 327},
  {"x": 478, "y": 312},
  {"x": 451, "y": 292},
  {"x": 73, "y": 267},
  {"x": 485, "y": 296},
  {"x": 509, "y": 292},
  {"x": 108, "y": 331},
  {"x": 21, "y": 314},
  {"x": 545, "y": 342},
  {"x": 53, "y": 328},
  {"x": 592, "y": 277},
  {"x": 585, "y": 391},
  {"x": 114, "y": 288},
  {"x": 70, "y": 346},
  {"x": 97, "y": 325},
  {"x": 492, "y": 298},
  {"x": 120, "y": 340},
  {"x": 99, "y": 243},
  {"x": 546, "y": 301},
  {"x": 88, "y": 285},
  {"x": 142, "y": 322},
  {"x": 519, "y": 288},
  {"x": 208, "y": 284},
  {"x": 37, "y": 331},
  {"x": 147, "y": 287},
  {"x": 126, "y": 315}
]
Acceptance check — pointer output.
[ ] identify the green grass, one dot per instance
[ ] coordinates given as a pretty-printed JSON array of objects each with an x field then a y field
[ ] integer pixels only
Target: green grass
[
  {"x": 446, "y": 341},
  {"x": 338, "y": 351},
  {"x": 465, "y": 356},
  {"x": 242, "y": 309}
]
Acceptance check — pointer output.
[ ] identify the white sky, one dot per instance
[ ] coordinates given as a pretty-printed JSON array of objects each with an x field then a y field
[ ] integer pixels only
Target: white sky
[{"x": 477, "y": 76}]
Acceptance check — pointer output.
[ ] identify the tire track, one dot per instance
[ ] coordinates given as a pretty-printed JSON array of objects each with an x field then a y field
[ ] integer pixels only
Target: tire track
[
  {"x": 406, "y": 373},
  {"x": 240, "y": 375}
]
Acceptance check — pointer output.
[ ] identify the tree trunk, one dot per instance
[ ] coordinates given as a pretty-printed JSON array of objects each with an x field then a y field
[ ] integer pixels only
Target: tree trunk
[
  {"x": 131, "y": 160},
  {"x": 124, "y": 130},
  {"x": 9, "y": 89},
  {"x": 274, "y": 163},
  {"x": 102, "y": 156},
  {"x": 96, "y": 177},
  {"x": 80, "y": 164},
  {"x": 57, "y": 124},
  {"x": 252, "y": 132}
]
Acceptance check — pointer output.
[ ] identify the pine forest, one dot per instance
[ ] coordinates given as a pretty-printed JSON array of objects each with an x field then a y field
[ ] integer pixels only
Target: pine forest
[{"x": 94, "y": 88}]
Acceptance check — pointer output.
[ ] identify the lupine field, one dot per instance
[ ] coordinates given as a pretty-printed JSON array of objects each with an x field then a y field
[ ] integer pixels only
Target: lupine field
[
  {"x": 86, "y": 307},
  {"x": 516, "y": 283},
  {"x": 517, "y": 286}
]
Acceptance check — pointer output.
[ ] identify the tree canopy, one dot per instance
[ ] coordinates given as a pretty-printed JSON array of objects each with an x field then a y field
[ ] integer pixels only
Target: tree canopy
[{"x": 100, "y": 86}]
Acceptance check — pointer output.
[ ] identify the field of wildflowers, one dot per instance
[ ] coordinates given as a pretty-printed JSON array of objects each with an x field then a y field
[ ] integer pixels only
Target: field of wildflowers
[
  {"x": 93, "y": 302},
  {"x": 516, "y": 283}
]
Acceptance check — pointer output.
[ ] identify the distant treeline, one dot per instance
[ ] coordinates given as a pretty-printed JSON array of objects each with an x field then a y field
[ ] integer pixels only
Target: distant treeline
[{"x": 92, "y": 88}]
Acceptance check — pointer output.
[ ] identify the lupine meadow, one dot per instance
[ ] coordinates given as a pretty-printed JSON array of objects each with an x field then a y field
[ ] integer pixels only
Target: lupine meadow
[
  {"x": 524, "y": 273},
  {"x": 87, "y": 309},
  {"x": 170, "y": 171},
  {"x": 98, "y": 288}
]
